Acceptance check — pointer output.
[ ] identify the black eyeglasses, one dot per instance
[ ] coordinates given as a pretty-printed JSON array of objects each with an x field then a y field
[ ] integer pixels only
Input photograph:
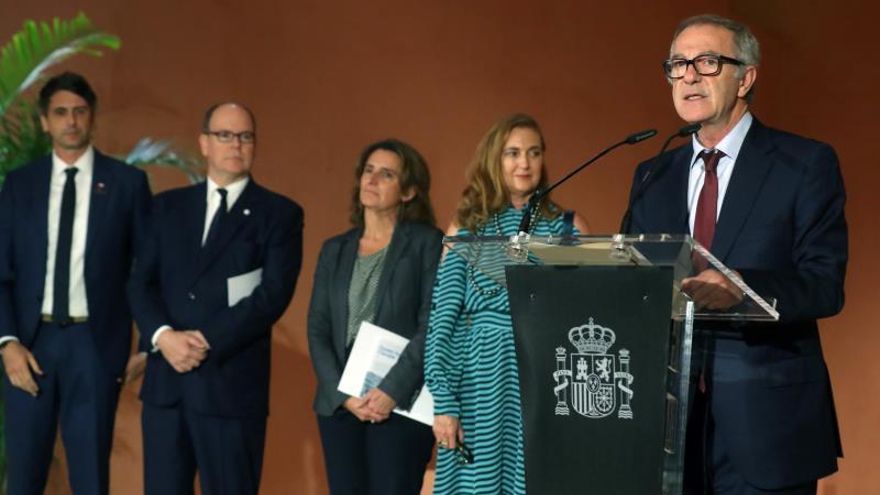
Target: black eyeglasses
[
  {"x": 463, "y": 454},
  {"x": 705, "y": 65},
  {"x": 244, "y": 137}
]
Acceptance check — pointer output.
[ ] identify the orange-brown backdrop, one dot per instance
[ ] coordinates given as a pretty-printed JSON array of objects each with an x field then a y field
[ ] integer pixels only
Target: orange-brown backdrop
[{"x": 326, "y": 77}]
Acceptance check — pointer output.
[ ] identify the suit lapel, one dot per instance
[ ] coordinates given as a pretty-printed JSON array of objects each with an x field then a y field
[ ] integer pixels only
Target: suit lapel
[
  {"x": 398, "y": 245},
  {"x": 671, "y": 210},
  {"x": 749, "y": 173},
  {"x": 680, "y": 200},
  {"x": 241, "y": 213},
  {"x": 100, "y": 190},
  {"x": 41, "y": 211},
  {"x": 193, "y": 213},
  {"x": 342, "y": 281}
]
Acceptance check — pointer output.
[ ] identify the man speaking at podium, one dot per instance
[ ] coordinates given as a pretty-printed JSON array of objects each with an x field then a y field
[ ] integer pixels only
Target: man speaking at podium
[{"x": 770, "y": 205}]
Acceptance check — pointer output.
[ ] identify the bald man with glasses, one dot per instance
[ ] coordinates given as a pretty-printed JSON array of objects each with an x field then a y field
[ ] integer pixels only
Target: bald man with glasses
[{"x": 219, "y": 269}]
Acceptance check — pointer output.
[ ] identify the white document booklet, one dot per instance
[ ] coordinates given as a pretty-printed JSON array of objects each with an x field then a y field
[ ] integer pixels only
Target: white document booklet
[
  {"x": 241, "y": 286},
  {"x": 374, "y": 352}
]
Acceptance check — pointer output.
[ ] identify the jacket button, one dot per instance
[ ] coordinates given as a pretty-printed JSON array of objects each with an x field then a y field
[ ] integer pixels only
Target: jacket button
[{"x": 191, "y": 296}]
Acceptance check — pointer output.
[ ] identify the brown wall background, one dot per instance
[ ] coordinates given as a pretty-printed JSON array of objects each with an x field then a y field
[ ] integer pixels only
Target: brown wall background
[{"x": 326, "y": 78}]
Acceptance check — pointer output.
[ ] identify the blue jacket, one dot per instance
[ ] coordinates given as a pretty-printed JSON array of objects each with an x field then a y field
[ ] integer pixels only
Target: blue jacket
[
  {"x": 782, "y": 226},
  {"x": 182, "y": 284},
  {"x": 118, "y": 210}
]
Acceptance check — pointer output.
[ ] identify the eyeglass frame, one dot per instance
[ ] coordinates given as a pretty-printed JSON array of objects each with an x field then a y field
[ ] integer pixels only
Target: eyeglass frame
[
  {"x": 721, "y": 59},
  {"x": 229, "y": 136}
]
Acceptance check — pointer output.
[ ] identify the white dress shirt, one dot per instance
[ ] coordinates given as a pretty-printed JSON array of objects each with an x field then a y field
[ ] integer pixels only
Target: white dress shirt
[
  {"x": 79, "y": 306},
  {"x": 233, "y": 192},
  {"x": 78, "y": 301},
  {"x": 730, "y": 146}
]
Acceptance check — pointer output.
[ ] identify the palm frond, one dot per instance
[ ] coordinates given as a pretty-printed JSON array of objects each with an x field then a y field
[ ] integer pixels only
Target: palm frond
[
  {"x": 21, "y": 137},
  {"x": 162, "y": 153},
  {"x": 40, "y": 45}
]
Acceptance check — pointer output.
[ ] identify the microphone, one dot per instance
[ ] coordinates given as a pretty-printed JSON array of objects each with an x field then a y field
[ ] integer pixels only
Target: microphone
[
  {"x": 646, "y": 179},
  {"x": 526, "y": 221},
  {"x": 683, "y": 132},
  {"x": 641, "y": 136}
]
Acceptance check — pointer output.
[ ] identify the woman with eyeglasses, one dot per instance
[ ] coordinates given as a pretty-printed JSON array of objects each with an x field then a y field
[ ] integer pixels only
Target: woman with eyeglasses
[
  {"x": 470, "y": 361},
  {"x": 381, "y": 271}
]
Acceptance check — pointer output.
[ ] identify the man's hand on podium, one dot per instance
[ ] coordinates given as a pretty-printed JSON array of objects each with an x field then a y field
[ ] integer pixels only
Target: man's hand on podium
[{"x": 710, "y": 289}]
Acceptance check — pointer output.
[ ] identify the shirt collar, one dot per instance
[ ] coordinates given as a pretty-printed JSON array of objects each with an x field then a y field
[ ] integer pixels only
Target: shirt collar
[
  {"x": 233, "y": 191},
  {"x": 730, "y": 144},
  {"x": 84, "y": 163}
]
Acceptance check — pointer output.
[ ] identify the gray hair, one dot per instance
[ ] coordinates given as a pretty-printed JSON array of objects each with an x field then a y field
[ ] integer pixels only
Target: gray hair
[{"x": 745, "y": 43}]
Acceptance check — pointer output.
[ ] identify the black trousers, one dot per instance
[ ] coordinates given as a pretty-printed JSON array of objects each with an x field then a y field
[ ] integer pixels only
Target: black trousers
[
  {"x": 227, "y": 452},
  {"x": 387, "y": 458}
]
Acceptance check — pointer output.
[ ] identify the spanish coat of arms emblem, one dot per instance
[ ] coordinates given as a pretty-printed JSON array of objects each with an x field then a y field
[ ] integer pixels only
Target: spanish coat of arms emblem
[{"x": 593, "y": 381}]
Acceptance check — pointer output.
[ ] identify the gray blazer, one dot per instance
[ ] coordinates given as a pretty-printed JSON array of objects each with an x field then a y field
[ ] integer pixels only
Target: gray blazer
[{"x": 403, "y": 302}]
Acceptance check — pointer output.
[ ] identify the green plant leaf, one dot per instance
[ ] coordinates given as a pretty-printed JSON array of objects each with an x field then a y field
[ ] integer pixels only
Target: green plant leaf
[
  {"x": 21, "y": 137},
  {"x": 40, "y": 45},
  {"x": 162, "y": 153},
  {"x": 23, "y": 61}
]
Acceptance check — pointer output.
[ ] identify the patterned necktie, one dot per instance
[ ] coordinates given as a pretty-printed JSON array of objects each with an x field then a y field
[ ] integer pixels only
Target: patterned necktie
[
  {"x": 707, "y": 205},
  {"x": 61, "y": 285},
  {"x": 219, "y": 215}
]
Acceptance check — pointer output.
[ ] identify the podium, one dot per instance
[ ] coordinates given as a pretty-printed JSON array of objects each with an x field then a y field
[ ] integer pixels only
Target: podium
[{"x": 605, "y": 345}]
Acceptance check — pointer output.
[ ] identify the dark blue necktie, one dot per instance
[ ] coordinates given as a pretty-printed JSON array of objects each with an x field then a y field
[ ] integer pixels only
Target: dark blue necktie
[
  {"x": 217, "y": 221},
  {"x": 61, "y": 289}
]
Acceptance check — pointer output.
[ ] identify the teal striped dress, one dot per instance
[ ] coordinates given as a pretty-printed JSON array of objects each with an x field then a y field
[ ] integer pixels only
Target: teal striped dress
[{"x": 470, "y": 369}]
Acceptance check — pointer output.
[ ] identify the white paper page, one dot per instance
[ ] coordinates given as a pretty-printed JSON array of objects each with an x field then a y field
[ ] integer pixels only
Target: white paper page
[
  {"x": 374, "y": 353},
  {"x": 241, "y": 286}
]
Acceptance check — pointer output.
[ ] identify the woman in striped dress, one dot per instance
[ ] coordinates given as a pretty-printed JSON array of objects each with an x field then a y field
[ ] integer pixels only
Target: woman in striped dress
[{"x": 470, "y": 362}]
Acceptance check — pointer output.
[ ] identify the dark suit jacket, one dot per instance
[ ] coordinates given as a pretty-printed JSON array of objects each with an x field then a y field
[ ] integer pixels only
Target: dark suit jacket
[
  {"x": 182, "y": 284},
  {"x": 782, "y": 227},
  {"x": 119, "y": 205},
  {"x": 403, "y": 302}
]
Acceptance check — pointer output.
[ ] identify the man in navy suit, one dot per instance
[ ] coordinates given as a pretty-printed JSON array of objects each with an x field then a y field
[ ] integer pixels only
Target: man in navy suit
[
  {"x": 69, "y": 224},
  {"x": 770, "y": 205},
  {"x": 218, "y": 270}
]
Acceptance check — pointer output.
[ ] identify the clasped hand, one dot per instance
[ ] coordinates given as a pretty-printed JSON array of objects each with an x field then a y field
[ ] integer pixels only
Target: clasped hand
[
  {"x": 183, "y": 349},
  {"x": 374, "y": 407}
]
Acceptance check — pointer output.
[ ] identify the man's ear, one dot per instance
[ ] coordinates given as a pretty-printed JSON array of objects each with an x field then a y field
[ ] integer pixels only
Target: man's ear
[
  {"x": 203, "y": 144},
  {"x": 748, "y": 81}
]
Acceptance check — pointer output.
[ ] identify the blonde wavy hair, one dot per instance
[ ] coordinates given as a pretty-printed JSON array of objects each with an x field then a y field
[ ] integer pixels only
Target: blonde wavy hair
[{"x": 486, "y": 193}]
